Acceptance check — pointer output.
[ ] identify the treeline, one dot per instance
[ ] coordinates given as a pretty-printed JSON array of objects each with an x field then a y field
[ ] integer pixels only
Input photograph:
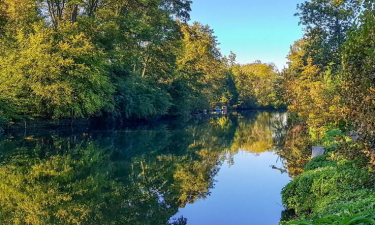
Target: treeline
[
  {"x": 330, "y": 79},
  {"x": 330, "y": 86},
  {"x": 117, "y": 58}
]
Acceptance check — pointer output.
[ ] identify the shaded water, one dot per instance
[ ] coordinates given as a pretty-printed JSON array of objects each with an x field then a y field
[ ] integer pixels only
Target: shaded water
[{"x": 211, "y": 170}]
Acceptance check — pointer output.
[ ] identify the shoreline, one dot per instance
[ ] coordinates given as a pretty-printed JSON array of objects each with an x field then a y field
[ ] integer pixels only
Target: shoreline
[{"x": 112, "y": 122}]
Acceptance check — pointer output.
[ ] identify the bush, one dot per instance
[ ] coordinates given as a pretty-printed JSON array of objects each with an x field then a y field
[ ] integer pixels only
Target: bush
[
  {"x": 339, "y": 220},
  {"x": 330, "y": 137},
  {"x": 318, "y": 162},
  {"x": 315, "y": 190}
]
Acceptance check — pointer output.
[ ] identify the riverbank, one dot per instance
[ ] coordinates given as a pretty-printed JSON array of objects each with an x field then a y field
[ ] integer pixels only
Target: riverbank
[
  {"x": 335, "y": 187},
  {"x": 114, "y": 122}
]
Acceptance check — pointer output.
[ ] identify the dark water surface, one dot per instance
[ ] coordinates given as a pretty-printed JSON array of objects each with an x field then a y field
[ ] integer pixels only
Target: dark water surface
[{"x": 219, "y": 169}]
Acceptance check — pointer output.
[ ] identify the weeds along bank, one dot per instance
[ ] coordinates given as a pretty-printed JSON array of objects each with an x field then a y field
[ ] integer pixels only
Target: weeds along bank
[{"x": 330, "y": 88}]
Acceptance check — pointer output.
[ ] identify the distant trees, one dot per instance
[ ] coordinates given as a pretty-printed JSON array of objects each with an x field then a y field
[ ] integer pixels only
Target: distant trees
[
  {"x": 128, "y": 59},
  {"x": 258, "y": 85},
  {"x": 201, "y": 64}
]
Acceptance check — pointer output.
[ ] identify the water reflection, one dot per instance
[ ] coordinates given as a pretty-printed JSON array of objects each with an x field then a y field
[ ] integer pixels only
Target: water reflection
[
  {"x": 128, "y": 176},
  {"x": 296, "y": 148}
]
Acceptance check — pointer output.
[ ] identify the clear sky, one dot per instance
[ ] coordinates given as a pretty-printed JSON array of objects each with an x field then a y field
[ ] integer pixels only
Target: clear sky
[{"x": 253, "y": 29}]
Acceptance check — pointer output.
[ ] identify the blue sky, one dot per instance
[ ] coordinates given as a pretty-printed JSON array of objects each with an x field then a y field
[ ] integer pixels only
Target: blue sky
[{"x": 252, "y": 29}]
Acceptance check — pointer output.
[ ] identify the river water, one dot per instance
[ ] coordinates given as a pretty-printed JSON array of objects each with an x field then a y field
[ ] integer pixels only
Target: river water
[{"x": 216, "y": 169}]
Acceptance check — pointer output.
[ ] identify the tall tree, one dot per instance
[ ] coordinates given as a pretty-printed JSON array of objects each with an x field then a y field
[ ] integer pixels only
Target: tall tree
[
  {"x": 327, "y": 22},
  {"x": 200, "y": 62},
  {"x": 359, "y": 81}
]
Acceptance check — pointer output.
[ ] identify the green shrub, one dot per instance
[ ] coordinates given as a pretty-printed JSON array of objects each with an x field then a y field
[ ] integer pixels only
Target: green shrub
[
  {"x": 330, "y": 136},
  {"x": 351, "y": 202},
  {"x": 361, "y": 219},
  {"x": 315, "y": 190},
  {"x": 318, "y": 162}
]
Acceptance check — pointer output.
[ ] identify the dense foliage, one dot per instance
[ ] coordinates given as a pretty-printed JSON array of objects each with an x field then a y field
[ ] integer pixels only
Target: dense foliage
[
  {"x": 258, "y": 85},
  {"x": 137, "y": 59},
  {"x": 329, "y": 86},
  {"x": 326, "y": 93},
  {"x": 119, "y": 58},
  {"x": 332, "y": 188}
]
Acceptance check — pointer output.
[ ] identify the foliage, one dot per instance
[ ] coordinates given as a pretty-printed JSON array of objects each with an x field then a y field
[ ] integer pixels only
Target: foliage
[
  {"x": 338, "y": 220},
  {"x": 314, "y": 81},
  {"x": 312, "y": 94},
  {"x": 257, "y": 85},
  {"x": 139, "y": 98},
  {"x": 315, "y": 191},
  {"x": 327, "y": 22},
  {"x": 359, "y": 87},
  {"x": 64, "y": 58},
  {"x": 49, "y": 76},
  {"x": 201, "y": 64},
  {"x": 319, "y": 161},
  {"x": 124, "y": 59},
  {"x": 329, "y": 86}
]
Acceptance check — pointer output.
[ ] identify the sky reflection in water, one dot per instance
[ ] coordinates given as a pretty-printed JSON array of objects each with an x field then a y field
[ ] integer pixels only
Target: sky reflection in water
[
  {"x": 247, "y": 192},
  {"x": 208, "y": 170}
]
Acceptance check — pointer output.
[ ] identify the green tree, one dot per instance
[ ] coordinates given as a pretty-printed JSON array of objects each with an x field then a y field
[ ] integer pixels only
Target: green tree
[
  {"x": 358, "y": 89},
  {"x": 201, "y": 65},
  {"x": 257, "y": 85},
  {"x": 54, "y": 75},
  {"x": 327, "y": 23}
]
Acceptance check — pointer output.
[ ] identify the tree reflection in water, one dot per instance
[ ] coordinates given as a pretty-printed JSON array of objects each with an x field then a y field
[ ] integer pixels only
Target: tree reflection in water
[{"x": 126, "y": 176}]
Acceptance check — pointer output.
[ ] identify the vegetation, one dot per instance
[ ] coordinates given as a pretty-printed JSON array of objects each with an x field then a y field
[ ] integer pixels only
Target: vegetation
[
  {"x": 118, "y": 58},
  {"x": 329, "y": 87},
  {"x": 258, "y": 85},
  {"x": 340, "y": 220},
  {"x": 333, "y": 188},
  {"x": 137, "y": 59}
]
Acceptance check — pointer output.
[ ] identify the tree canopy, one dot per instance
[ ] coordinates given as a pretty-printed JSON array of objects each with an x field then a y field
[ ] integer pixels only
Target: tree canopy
[{"x": 118, "y": 58}]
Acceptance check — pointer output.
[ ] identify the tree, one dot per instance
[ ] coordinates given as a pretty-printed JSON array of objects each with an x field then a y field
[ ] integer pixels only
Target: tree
[
  {"x": 359, "y": 84},
  {"x": 200, "y": 63},
  {"x": 74, "y": 58},
  {"x": 327, "y": 22},
  {"x": 256, "y": 85},
  {"x": 52, "y": 77}
]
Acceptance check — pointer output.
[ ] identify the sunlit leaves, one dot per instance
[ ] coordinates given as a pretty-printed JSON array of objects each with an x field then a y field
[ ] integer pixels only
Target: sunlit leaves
[
  {"x": 55, "y": 78},
  {"x": 257, "y": 85},
  {"x": 358, "y": 62}
]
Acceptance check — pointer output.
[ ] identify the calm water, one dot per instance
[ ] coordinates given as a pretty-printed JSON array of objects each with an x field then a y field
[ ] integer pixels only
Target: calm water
[{"x": 218, "y": 169}]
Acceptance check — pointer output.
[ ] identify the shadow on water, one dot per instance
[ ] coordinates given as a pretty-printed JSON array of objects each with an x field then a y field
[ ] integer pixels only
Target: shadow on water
[{"x": 138, "y": 175}]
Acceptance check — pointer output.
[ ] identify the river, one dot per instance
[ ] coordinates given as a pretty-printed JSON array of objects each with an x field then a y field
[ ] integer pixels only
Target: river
[{"x": 215, "y": 169}]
